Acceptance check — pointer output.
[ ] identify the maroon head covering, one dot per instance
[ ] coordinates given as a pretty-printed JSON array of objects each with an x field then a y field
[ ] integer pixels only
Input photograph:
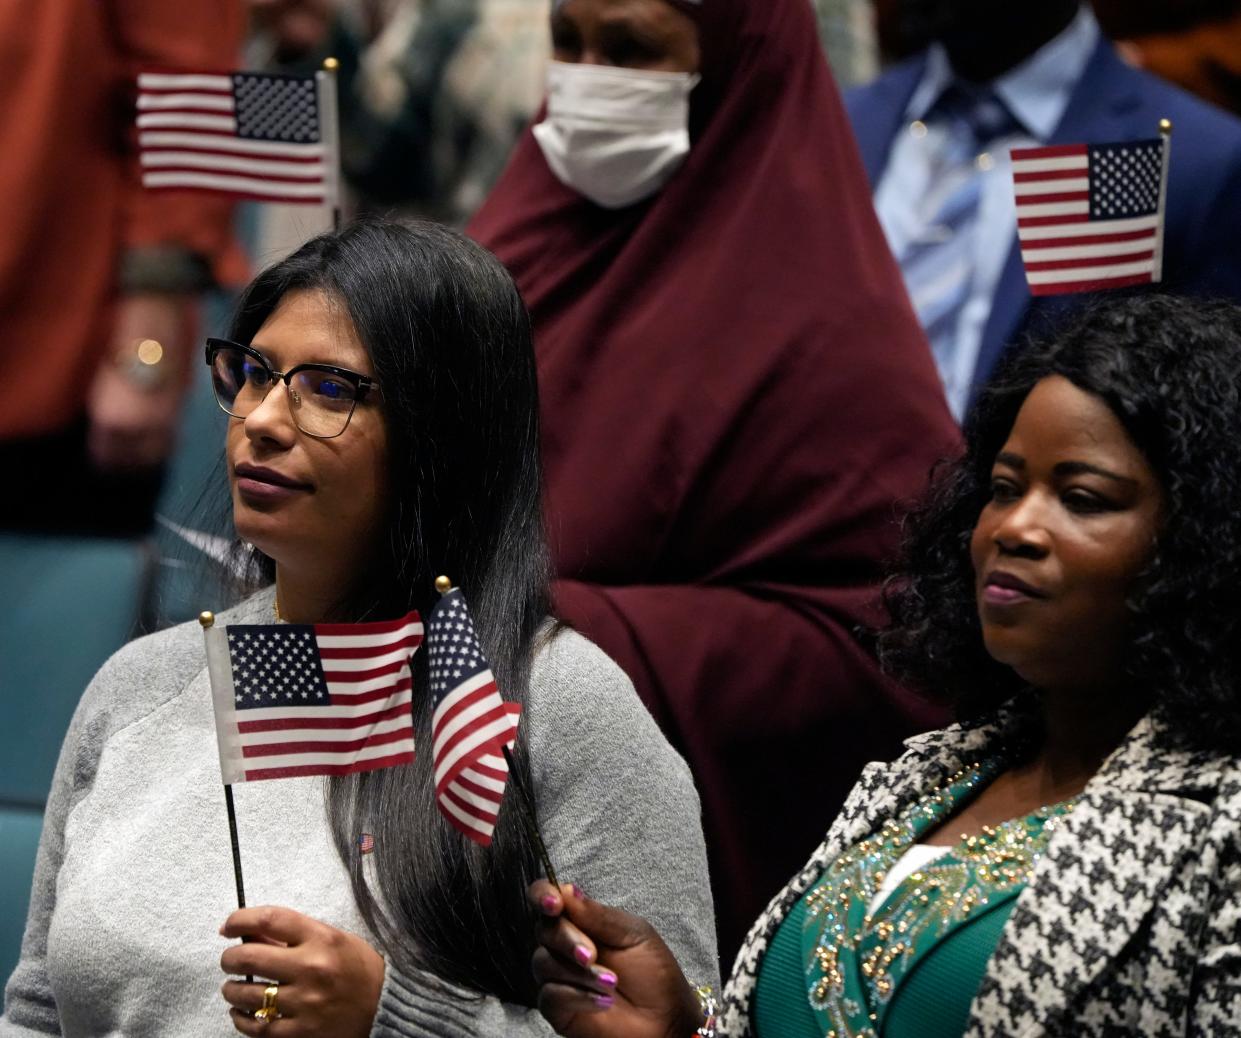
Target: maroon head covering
[{"x": 735, "y": 396}]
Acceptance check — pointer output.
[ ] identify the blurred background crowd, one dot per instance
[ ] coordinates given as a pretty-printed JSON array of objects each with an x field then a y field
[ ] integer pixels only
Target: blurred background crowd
[{"x": 109, "y": 434}]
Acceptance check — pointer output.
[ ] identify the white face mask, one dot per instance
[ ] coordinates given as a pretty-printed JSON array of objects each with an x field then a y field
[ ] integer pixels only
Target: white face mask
[{"x": 614, "y": 135}]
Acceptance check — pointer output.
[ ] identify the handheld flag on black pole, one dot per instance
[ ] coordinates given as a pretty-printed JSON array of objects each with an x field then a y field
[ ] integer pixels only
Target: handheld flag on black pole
[
  {"x": 1090, "y": 216},
  {"x": 255, "y": 135},
  {"x": 471, "y": 723},
  {"x": 303, "y": 699},
  {"x": 207, "y": 621},
  {"x": 312, "y": 699},
  {"x": 473, "y": 728}
]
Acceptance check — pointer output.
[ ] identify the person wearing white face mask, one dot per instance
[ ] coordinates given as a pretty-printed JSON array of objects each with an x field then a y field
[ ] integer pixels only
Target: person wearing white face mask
[
  {"x": 615, "y": 134},
  {"x": 734, "y": 396},
  {"x": 616, "y": 125}
]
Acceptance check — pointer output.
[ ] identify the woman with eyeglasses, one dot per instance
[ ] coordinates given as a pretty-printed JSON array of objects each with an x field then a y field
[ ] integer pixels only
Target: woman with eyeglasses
[{"x": 383, "y": 430}]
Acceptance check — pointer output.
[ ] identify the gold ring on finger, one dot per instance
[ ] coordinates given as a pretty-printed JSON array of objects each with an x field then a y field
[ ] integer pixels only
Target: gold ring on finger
[{"x": 268, "y": 1012}]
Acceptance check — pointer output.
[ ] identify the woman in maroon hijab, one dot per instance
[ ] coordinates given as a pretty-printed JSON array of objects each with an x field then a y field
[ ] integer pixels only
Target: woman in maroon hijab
[{"x": 735, "y": 398}]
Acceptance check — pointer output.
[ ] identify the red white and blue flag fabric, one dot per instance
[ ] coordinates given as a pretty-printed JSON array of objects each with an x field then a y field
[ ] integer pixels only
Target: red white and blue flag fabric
[
  {"x": 1090, "y": 216},
  {"x": 246, "y": 134},
  {"x": 470, "y": 725},
  {"x": 321, "y": 699}
]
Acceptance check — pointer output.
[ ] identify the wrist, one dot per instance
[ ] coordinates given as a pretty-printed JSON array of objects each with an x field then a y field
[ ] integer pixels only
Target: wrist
[
  {"x": 699, "y": 1013},
  {"x": 163, "y": 269},
  {"x": 146, "y": 364}
]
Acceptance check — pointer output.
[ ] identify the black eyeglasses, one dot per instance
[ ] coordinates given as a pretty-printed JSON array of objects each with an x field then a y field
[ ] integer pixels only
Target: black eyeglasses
[{"x": 322, "y": 397}]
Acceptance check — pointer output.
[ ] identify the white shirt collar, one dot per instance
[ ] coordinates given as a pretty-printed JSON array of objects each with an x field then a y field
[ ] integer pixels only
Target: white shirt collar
[{"x": 1037, "y": 91}]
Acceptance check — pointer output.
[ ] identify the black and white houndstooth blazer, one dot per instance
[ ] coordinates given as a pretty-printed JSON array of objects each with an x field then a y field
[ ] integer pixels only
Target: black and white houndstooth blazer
[{"x": 1132, "y": 922}]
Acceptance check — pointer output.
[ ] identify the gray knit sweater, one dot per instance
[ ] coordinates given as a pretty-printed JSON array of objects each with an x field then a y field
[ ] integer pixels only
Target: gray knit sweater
[{"x": 134, "y": 874}]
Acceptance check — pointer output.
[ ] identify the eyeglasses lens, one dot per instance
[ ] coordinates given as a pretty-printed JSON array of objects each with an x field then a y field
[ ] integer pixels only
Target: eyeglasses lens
[
  {"x": 240, "y": 381},
  {"x": 321, "y": 403}
]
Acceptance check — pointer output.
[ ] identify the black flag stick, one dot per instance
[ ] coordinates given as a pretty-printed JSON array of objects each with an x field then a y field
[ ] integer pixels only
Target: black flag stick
[
  {"x": 527, "y": 812},
  {"x": 232, "y": 835},
  {"x": 207, "y": 620}
]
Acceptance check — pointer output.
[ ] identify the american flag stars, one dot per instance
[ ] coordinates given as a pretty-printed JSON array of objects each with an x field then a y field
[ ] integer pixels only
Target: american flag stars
[
  {"x": 471, "y": 722},
  {"x": 453, "y": 650},
  {"x": 1125, "y": 179},
  {"x": 1089, "y": 216},
  {"x": 247, "y": 134},
  {"x": 271, "y": 660},
  {"x": 327, "y": 699}
]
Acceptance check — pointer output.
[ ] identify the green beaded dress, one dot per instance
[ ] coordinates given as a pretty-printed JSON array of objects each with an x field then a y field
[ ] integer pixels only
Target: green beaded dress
[{"x": 912, "y": 968}]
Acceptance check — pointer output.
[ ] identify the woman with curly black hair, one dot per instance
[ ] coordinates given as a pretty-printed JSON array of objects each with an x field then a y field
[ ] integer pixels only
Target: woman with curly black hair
[{"x": 1067, "y": 858}]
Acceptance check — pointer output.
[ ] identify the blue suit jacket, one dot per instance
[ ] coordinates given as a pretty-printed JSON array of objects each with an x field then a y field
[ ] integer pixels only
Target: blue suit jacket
[{"x": 1112, "y": 102}]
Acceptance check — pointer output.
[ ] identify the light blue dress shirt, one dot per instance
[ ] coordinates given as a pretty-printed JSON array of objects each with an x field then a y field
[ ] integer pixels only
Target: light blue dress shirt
[{"x": 1036, "y": 94}]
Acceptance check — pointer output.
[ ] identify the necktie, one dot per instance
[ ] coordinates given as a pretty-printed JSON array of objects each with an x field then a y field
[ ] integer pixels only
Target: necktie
[{"x": 938, "y": 264}]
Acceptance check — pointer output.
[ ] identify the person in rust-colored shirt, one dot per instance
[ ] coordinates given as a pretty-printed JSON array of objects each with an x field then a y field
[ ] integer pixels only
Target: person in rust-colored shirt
[{"x": 91, "y": 266}]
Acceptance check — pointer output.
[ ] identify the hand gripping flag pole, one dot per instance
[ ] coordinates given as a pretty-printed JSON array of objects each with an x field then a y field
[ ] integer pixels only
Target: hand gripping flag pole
[{"x": 309, "y": 699}]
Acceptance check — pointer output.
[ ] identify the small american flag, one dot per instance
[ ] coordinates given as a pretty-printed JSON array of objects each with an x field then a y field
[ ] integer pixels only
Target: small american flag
[
  {"x": 1090, "y": 216},
  {"x": 246, "y": 134},
  {"x": 321, "y": 699},
  {"x": 470, "y": 723}
]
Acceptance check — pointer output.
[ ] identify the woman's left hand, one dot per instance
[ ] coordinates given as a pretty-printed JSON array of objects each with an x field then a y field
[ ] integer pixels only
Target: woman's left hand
[{"x": 329, "y": 980}]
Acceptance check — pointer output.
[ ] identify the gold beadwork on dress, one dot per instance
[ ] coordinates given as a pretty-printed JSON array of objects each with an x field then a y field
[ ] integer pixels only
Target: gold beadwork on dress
[{"x": 921, "y": 910}]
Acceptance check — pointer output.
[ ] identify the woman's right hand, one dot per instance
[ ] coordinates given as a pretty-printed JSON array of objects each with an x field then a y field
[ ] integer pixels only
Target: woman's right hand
[{"x": 604, "y": 973}]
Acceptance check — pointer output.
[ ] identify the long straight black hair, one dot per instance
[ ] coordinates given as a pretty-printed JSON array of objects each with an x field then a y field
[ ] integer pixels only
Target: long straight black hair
[{"x": 450, "y": 341}]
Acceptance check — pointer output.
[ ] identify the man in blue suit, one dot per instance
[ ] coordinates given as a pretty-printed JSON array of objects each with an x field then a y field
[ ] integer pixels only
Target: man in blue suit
[{"x": 935, "y": 134}]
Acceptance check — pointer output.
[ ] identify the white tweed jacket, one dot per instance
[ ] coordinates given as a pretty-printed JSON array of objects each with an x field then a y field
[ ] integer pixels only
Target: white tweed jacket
[{"x": 1132, "y": 922}]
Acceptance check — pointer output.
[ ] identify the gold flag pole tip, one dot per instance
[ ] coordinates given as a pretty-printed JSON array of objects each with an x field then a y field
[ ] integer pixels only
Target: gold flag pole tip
[
  {"x": 1165, "y": 126},
  {"x": 206, "y": 619},
  {"x": 330, "y": 64},
  {"x": 443, "y": 585}
]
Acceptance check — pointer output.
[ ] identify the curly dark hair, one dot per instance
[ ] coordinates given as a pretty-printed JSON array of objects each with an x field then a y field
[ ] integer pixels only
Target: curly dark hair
[{"x": 1170, "y": 370}]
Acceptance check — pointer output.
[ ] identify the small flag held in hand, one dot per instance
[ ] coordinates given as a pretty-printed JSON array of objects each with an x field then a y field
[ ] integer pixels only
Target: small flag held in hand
[
  {"x": 321, "y": 699},
  {"x": 471, "y": 722},
  {"x": 247, "y": 134},
  {"x": 1090, "y": 216}
]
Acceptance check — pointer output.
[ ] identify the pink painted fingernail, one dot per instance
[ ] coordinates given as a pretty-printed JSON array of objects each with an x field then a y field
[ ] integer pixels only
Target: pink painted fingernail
[
  {"x": 549, "y": 903},
  {"x": 577, "y": 891},
  {"x": 604, "y": 1001},
  {"x": 607, "y": 978},
  {"x": 582, "y": 954}
]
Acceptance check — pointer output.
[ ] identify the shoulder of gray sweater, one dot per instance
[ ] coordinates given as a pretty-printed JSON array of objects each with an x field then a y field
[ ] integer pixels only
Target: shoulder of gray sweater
[
  {"x": 144, "y": 674},
  {"x": 579, "y": 693}
]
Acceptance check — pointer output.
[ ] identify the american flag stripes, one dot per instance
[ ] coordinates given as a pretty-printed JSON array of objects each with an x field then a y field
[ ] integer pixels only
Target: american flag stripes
[
  {"x": 470, "y": 725},
  {"x": 1090, "y": 216},
  {"x": 250, "y": 135},
  {"x": 322, "y": 699}
]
